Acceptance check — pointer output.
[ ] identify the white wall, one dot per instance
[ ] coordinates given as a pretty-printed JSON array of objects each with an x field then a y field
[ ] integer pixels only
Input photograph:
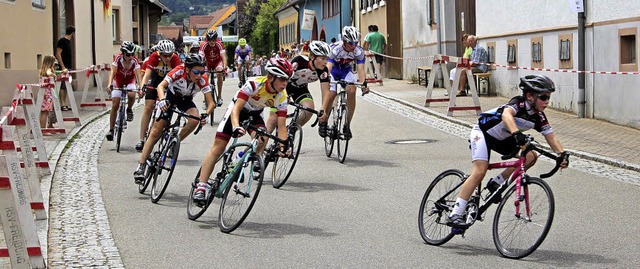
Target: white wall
[{"x": 495, "y": 17}]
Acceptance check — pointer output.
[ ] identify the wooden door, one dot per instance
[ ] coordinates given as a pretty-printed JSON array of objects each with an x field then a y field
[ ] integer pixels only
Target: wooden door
[
  {"x": 465, "y": 22},
  {"x": 394, "y": 39}
]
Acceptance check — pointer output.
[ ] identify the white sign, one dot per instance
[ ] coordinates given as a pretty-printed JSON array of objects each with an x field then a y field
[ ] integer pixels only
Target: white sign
[
  {"x": 229, "y": 38},
  {"x": 191, "y": 39},
  {"x": 307, "y": 19},
  {"x": 577, "y": 6}
]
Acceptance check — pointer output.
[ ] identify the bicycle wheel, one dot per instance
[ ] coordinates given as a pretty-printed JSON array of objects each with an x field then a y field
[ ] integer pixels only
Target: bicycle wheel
[
  {"x": 330, "y": 139},
  {"x": 283, "y": 167},
  {"x": 240, "y": 196},
  {"x": 518, "y": 235},
  {"x": 343, "y": 140},
  {"x": 165, "y": 168},
  {"x": 214, "y": 94},
  {"x": 436, "y": 205},
  {"x": 148, "y": 176},
  {"x": 194, "y": 210},
  {"x": 120, "y": 126}
]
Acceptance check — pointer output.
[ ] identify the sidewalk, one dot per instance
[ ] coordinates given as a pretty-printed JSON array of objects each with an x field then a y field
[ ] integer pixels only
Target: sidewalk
[{"x": 587, "y": 138}]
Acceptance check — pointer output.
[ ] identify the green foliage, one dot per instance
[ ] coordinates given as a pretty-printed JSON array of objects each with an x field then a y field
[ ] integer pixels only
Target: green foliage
[
  {"x": 247, "y": 21},
  {"x": 264, "y": 37},
  {"x": 230, "y": 48},
  {"x": 184, "y": 8}
]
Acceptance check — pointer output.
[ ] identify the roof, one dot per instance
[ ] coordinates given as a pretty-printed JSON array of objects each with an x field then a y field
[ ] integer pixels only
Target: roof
[
  {"x": 170, "y": 31},
  {"x": 222, "y": 14},
  {"x": 288, "y": 4},
  {"x": 229, "y": 19},
  {"x": 161, "y": 5},
  {"x": 199, "y": 21},
  {"x": 218, "y": 17}
]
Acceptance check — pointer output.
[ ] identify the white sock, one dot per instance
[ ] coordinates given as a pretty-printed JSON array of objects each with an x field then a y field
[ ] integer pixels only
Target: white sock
[
  {"x": 498, "y": 179},
  {"x": 461, "y": 205}
]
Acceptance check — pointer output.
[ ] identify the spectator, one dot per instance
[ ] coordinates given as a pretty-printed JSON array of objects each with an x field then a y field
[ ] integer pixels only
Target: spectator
[
  {"x": 65, "y": 59},
  {"x": 479, "y": 56},
  {"x": 47, "y": 71},
  {"x": 375, "y": 44},
  {"x": 467, "y": 54}
]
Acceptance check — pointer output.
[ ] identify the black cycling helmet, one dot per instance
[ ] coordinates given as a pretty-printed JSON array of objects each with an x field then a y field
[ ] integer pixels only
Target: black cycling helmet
[
  {"x": 536, "y": 84},
  {"x": 194, "y": 60},
  {"x": 212, "y": 35}
]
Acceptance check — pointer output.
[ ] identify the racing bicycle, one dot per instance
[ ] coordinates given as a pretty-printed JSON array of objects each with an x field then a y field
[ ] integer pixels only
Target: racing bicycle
[{"x": 339, "y": 129}]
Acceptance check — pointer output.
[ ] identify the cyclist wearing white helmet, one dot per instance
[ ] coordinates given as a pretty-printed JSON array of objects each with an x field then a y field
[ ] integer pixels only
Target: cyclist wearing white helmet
[
  {"x": 124, "y": 73},
  {"x": 243, "y": 55},
  {"x": 249, "y": 101},
  {"x": 158, "y": 65},
  {"x": 342, "y": 56},
  {"x": 214, "y": 53}
]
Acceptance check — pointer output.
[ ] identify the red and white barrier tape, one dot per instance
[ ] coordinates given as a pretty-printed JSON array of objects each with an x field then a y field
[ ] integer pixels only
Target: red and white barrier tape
[{"x": 403, "y": 58}]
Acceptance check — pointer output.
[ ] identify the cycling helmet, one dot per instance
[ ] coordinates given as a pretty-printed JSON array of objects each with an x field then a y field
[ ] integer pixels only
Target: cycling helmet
[
  {"x": 127, "y": 47},
  {"x": 193, "y": 60},
  {"x": 279, "y": 68},
  {"x": 242, "y": 42},
  {"x": 195, "y": 44},
  {"x": 212, "y": 35},
  {"x": 166, "y": 46},
  {"x": 537, "y": 84},
  {"x": 350, "y": 34},
  {"x": 319, "y": 48},
  {"x": 153, "y": 49}
]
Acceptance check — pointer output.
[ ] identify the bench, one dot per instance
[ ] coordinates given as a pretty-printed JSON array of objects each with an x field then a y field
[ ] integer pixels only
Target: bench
[
  {"x": 427, "y": 71},
  {"x": 480, "y": 77}
]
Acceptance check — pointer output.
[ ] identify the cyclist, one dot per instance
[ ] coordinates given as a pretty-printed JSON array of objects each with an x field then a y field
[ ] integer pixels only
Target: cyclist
[
  {"x": 213, "y": 51},
  {"x": 124, "y": 73},
  {"x": 306, "y": 70},
  {"x": 195, "y": 47},
  {"x": 159, "y": 64},
  {"x": 500, "y": 129},
  {"x": 249, "y": 101},
  {"x": 177, "y": 89},
  {"x": 243, "y": 56},
  {"x": 342, "y": 56}
]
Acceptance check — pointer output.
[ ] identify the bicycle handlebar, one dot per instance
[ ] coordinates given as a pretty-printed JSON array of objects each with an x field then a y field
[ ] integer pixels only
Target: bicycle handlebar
[
  {"x": 344, "y": 84},
  {"x": 187, "y": 115},
  {"x": 246, "y": 124},
  {"x": 318, "y": 113},
  {"x": 531, "y": 146}
]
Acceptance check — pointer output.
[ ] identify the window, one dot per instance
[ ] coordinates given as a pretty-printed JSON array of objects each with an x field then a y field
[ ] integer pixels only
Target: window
[
  {"x": 491, "y": 53},
  {"x": 512, "y": 52},
  {"x": 430, "y": 17},
  {"x": 38, "y": 3},
  {"x": 330, "y": 8},
  {"x": 564, "y": 51},
  {"x": 39, "y": 60},
  {"x": 536, "y": 52},
  {"x": 7, "y": 60},
  {"x": 628, "y": 51},
  {"x": 115, "y": 25}
]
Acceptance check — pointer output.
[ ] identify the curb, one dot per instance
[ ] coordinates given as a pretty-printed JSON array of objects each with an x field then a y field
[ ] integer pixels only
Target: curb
[{"x": 576, "y": 153}]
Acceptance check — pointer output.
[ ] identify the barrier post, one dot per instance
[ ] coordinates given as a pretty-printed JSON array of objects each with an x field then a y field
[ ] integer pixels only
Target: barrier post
[
  {"x": 18, "y": 223},
  {"x": 463, "y": 65},
  {"x": 66, "y": 79},
  {"x": 439, "y": 65},
  {"x": 23, "y": 100},
  {"x": 45, "y": 84},
  {"x": 93, "y": 75}
]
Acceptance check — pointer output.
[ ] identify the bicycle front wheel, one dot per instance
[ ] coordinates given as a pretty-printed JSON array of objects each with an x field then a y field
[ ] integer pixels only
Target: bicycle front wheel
[
  {"x": 120, "y": 126},
  {"x": 283, "y": 166},
  {"x": 195, "y": 210},
  {"x": 332, "y": 130},
  {"x": 436, "y": 205},
  {"x": 343, "y": 137},
  {"x": 240, "y": 196},
  {"x": 165, "y": 168},
  {"x": 149, "y": 174},
  {"x": 518, "y": 234}
]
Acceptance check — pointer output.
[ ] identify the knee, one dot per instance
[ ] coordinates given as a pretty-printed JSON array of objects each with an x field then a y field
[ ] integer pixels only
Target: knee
[{"x": 532, "y": 157}]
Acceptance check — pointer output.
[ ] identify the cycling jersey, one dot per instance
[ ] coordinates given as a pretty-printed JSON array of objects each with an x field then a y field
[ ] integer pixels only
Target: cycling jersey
[
  {"x": 242, "y": 52},
  {"x": 342, "y": 59},
  {"x": 257, "y": 96},
  {"x": 159, "y": 67},
  {"x": 526, "y": 119},
  {"x": 213, "y": 54},
  {"x": 125, "y": 74},
  {"x": 304, "y": 73},
  {"x": 181, "y": 87}
]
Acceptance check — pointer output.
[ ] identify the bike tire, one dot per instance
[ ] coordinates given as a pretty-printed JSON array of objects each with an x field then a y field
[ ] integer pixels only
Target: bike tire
[
  {"x": 165, "y": 169},
  {"x": 240, "y": 196},
  {"x": 148, "y": 177},
  {"x": 330, "y": 139},
  {"x": 509, "y": 228},
  {"x": 214, "y": 95},
  {"x": 194, "y": 211},
  {"x": 343, "y": 141},
  {"x": 120, "y": 129},
  {"x": 433, "y": 216},
  {"x": 283, "y": 167}
]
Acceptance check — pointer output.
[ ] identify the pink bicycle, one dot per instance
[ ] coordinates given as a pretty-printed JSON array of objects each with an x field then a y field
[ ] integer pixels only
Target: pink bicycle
[{"x": 523, "y": 217}]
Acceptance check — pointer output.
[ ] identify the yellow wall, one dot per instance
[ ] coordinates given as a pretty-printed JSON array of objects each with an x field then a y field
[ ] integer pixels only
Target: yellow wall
[{"x": 288, "y": 20}]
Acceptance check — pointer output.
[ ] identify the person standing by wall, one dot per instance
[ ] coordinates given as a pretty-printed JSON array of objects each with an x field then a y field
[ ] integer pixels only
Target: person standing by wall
[
  {"x": 47, "y": 76},
  {"x": 375, "y": 44},
  {"x": 65, "y": 60}
]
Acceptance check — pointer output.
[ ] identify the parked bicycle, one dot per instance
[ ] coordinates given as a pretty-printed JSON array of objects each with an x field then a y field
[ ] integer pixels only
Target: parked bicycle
[
  {"x": 162, "y": 162},
  {"x": 283, "y": 166},
  {"x": 237, "y": 181},
  {"x": 523, "y": 217},
  {"x": 340, "y": 118}
]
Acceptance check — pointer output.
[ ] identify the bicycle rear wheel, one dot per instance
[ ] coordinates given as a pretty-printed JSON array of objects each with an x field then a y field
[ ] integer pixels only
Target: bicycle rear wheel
[
  {"x": 436, "y": 205},
  {"x": 283, "y": 166},
  {"x": 165, "y": 168},
  {"x": 240, "y": 196},
  {"x": 518, "y": 235},
  {"x": 343, "y": 140},
  {"x": 120, "y": 126},
  {"x": 194, "y": 210}
]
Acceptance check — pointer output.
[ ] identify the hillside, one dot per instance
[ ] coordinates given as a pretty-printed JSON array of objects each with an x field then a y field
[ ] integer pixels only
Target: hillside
[{"x": 196, "y": 7}]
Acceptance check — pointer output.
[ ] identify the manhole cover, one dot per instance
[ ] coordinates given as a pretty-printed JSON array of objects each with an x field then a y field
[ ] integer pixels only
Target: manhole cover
[{"x": 411, "y": 141}]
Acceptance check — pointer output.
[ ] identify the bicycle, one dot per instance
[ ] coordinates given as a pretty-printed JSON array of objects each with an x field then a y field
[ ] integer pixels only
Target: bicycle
[
  {"x": 283, "y": 166},
  {"x": 236, "y": 181},
  {"x": 121, "y": 116},
  {"x": 162, "y": 162},
  {"x": 214, "y": 93},
  {"x": 340, "y": 116},
  {"x": 242, "y": 74},
  {"x": 510, "y": 223}
]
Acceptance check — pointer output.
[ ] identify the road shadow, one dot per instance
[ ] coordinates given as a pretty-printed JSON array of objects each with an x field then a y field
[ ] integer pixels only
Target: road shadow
[
  {"x": 319, "y": 186},
  {"x": 363, "y": 163},
  {"x": 277, "y": 230}
]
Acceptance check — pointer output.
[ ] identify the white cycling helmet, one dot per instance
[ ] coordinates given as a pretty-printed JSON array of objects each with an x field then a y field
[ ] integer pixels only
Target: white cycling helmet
[
  {"x": 127, "y": 47},
  {"x": 319, "y": 48},
  {"x": 166, "y": 46},
  {"x": 350, "y": 34}
]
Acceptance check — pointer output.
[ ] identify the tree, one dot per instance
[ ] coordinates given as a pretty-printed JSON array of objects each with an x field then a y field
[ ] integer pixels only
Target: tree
[
  {"x": 247, "y": 21},
  {"x": 264, "y": 37}
]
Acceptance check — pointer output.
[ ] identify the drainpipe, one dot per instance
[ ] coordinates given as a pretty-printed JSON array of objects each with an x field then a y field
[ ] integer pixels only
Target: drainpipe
[
  {"x": 93, "y": 33},
  {"x": 581, "y": 61},
  {"x": 438, "y": 26}
]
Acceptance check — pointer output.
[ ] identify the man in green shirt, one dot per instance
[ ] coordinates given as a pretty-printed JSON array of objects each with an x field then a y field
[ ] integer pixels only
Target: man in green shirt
[{"x": 375, "y": 42}]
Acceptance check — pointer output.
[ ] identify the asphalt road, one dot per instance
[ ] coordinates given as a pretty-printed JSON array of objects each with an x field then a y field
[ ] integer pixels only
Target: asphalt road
[{"x": 361, "y": 214}]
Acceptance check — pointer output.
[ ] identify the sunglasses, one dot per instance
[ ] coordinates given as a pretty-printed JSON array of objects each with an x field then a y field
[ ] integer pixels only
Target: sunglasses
[
  {"x": 352, "y": 43},
  {"x": 128, "y": 54},
  {"x": 544, "y": 97},
  {"x": 198, "y": 72},
  {"x": 282, "y": 79},
  {"x": 166, "y": 54}
]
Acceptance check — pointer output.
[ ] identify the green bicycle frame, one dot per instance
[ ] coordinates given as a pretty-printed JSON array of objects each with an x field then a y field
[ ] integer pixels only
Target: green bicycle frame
[{"x": 237, "y": 169}]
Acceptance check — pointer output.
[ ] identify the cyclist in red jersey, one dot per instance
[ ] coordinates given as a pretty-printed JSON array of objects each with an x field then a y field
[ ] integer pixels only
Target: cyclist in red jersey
[
  {"x": 158, "y": 66},
  {"x": 213, "y": 51},
  {"x": 124, "y": 73}
]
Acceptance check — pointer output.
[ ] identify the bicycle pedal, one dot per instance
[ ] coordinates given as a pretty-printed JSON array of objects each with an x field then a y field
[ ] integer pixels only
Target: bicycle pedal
[{"x": 459, "y": 231}]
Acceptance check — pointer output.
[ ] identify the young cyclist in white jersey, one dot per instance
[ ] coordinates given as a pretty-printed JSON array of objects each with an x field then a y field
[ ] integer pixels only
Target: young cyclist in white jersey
[{"x": 342, "y": 56}]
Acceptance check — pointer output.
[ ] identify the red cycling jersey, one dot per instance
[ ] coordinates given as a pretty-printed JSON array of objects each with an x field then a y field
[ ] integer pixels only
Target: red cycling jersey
[
  {"x": 159, "y": 67},
  {"x": 213, "y": 54},
  {"x": 125, "y": 74}
]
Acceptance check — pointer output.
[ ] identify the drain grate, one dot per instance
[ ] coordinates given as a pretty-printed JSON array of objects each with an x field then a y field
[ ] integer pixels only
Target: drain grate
[{"x": 411, "y": 141}]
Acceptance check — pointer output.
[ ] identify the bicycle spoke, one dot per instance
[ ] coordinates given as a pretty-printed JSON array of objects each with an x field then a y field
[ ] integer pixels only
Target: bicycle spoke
[
  {"x": 241, "y": 195},
  {"x": 436, "y": 207}
]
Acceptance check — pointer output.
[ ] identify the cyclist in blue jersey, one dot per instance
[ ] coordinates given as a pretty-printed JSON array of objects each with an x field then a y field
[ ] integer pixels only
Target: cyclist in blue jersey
[
  {"x": 243, "y": 56},
  {"x": 342, "y": 56}
]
